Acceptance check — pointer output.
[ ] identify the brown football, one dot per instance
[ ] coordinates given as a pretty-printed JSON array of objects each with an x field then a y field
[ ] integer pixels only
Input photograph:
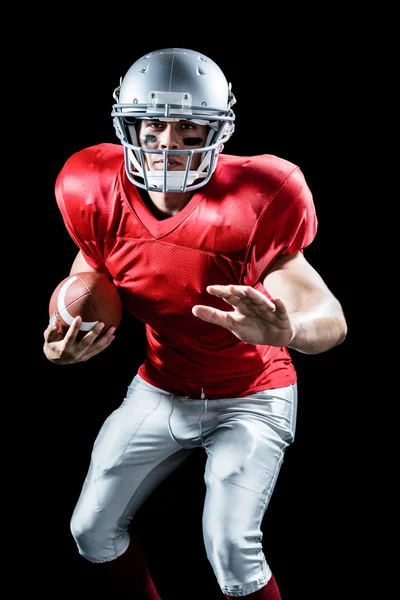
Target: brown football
[{"x": 90, "y": 295}]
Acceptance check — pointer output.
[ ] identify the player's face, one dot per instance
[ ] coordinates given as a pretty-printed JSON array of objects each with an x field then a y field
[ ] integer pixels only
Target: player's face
[{"x": 175, "y": 135}]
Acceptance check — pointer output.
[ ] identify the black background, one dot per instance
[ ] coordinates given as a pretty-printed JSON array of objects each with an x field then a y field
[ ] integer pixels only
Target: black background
[{"x": 294, "y": 94}]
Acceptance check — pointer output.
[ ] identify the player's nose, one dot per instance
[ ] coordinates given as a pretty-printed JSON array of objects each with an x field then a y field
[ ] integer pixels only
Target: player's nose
[{"x": 169, "y": 138}]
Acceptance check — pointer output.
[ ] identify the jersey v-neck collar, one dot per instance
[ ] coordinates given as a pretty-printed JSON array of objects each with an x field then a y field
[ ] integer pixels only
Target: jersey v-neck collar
[{"x": 156, "y": 228}]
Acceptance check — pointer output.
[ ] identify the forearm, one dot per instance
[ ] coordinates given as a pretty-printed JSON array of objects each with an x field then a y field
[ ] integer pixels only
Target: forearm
[{"x": 319, "y": 326}]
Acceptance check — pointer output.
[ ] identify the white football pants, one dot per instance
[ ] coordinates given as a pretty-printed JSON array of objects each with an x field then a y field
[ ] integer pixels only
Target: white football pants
[{"x": 150, "y": 435}]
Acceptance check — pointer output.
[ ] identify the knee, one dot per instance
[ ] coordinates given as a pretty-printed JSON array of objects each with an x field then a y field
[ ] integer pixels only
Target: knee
[
  {"x": 227, "y": 547},
  {"x": 235, "y": 556},
  {"x": 91, "y": 539},
  {"x": 225, "y": 553},
  {"x": 97, "y": 540},
  {"x": 84, "y": 536}
]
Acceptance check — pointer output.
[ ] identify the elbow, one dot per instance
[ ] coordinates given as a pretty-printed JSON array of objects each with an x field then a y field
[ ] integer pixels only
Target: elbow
[
  {"x": 338, "y": 331},
  {"x": 339, "y": 324},
  {"x": 342, "y": 332}
]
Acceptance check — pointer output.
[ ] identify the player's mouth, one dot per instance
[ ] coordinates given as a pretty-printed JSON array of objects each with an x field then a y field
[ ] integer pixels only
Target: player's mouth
[{"x": 171, "y": 164}]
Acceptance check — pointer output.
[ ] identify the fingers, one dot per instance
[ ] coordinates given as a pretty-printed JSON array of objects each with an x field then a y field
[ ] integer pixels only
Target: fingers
[
  {"x": 69, "y": 348},
  {"x": 234, "y": 294},
  {"x": 280, "y": 305},
  {"x": 212, "y": 315},
  {"x": 50, "y": 332},
  {"x": 73, "y": 330}
]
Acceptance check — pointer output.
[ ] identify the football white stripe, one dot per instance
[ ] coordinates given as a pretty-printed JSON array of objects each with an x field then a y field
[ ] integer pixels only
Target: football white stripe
[{"x": 62, "y": 309}]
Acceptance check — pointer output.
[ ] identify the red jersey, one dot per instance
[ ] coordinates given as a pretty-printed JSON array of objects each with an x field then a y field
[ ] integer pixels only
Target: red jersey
[{"x": 230, "y": 232}]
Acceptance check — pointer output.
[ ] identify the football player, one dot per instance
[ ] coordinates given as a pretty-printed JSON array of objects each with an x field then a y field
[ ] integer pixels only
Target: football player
[{"x": 207, "y": 250}]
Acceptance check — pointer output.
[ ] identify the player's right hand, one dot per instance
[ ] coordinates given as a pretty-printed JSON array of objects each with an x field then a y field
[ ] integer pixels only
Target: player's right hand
[{"x": 68, "y": 350}]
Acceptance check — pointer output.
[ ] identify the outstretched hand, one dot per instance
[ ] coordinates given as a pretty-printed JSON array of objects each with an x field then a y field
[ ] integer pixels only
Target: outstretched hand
[{"x": 254, "y": 318}]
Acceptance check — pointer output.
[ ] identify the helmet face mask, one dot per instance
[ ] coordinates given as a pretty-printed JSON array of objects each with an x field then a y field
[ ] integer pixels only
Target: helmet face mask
[{"x": 173, "y": 84}]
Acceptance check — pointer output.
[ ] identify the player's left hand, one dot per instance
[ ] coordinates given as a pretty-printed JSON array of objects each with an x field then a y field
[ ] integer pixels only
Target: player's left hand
[{"x": 254, "y": 319}]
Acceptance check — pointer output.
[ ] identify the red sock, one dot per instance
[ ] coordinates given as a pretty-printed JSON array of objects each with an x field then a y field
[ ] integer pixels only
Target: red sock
[
  {"x": 268, "y": 592},
  {"x": 131, "y": 563}
]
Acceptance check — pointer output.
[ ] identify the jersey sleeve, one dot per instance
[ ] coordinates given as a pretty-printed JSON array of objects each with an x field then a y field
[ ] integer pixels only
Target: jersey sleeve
[
  {"x": 76, "y": 194},
  {"x": 287, "y": 225}
]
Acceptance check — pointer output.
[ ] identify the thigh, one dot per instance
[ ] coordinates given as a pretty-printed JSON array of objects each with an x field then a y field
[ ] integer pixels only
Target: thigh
[
  {"x": 246, "y": 449},
  {"x": 136, "y": 435},
  {"x": 132, "y": 454}
]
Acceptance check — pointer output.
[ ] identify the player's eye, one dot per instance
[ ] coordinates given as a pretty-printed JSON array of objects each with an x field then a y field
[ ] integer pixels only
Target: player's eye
[{"x": 155, "y": 125}]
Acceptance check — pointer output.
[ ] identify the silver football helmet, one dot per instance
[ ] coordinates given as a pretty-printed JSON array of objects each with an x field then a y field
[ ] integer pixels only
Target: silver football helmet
[{"x": 176, "y": 84}]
